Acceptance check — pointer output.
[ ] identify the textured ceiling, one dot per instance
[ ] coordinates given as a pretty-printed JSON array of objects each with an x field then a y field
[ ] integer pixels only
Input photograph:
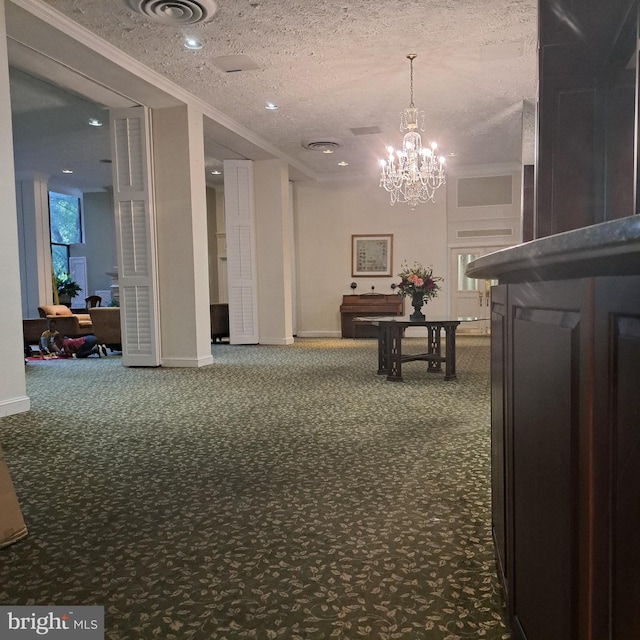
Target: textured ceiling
[{"x": 334, "y": 66}]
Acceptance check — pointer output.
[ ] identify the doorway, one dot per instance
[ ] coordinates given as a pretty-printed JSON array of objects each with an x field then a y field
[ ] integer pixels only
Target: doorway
[{"x": 470, "y": 298}]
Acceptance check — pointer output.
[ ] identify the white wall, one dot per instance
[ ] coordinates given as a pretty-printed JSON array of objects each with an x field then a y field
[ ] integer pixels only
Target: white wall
[
  {"x": 99, "y": 244},
  {"x": 490, "y": 224},
  {"x": 327, "y": 214}
]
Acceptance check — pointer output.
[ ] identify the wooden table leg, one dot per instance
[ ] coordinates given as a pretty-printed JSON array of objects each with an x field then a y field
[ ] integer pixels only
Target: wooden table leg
[
  {"x": 450, "y": 353},
  {"x": 383, "y": 341},
  {"x": 434, "y": 349},
  {"x": 394, "y": 354}
]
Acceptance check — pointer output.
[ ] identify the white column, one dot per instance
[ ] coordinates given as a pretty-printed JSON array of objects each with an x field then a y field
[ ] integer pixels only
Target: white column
[
  {"x": 274, "y": 251},
  {"x": 35, "y": 243},
  {"x": 13, "y": 392},
  {"x": 181, "y": 216}
]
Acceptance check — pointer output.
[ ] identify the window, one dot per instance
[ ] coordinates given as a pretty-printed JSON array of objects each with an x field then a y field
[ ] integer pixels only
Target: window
[
  {"x": 464, "y": 283},
  {"x": 66, "y": 228}
]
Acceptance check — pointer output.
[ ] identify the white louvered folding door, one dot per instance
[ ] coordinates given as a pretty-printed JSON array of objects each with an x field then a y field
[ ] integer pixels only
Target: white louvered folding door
[
  {"x": 135, "y": 231},
  {"x": 241, "y": 252}
]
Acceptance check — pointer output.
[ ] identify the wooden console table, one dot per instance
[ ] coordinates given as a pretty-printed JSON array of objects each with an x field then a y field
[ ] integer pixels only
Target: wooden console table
[{"x": 368, "y": 304}]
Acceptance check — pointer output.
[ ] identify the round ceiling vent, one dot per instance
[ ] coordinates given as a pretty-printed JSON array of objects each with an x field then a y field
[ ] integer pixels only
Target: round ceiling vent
[
  {"x": 175, "y": 12},
  {"x": 324, "y": 144}
]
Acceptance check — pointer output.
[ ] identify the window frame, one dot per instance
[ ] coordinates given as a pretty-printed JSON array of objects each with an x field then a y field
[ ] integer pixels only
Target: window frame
[{"x": 80, "y": 227}]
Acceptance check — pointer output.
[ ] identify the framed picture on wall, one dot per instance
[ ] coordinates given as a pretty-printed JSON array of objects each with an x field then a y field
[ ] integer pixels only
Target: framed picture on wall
[{"x": 371, "y": 256}]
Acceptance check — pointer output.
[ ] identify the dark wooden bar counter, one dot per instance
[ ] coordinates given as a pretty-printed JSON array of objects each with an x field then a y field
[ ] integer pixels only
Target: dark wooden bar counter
[{"x": 565, "y": 342}]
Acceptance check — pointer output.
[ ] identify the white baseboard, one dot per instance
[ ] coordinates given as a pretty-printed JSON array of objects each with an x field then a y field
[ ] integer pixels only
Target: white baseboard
[
  {"x": 187, "y": 362},
  {"x": 15, "y": 405},
  {"x": 277, "y": 341},
  {"x": 319, "y": 334}
]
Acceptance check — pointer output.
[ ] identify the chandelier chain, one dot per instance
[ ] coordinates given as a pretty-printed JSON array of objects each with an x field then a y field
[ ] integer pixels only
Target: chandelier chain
[{"x": 411, "y": 63}]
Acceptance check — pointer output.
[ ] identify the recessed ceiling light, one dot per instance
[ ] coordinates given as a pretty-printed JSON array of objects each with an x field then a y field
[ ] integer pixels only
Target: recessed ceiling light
[
  {"x": 193, "y": 44},
  {"x": 452, "y": 154},
  {"x": 67, "y": 171},
  {"x": 216, "y": 173},
  {"x": 94, "y": 122},
  {"x": 343, "y": 164},
  {"x": 327, "y": 151},
  {"x": 271, "y": 106}
]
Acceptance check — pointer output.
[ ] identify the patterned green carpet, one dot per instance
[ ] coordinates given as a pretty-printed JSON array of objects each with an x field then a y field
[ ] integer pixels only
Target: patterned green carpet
[{"x": 284, "y": 492}]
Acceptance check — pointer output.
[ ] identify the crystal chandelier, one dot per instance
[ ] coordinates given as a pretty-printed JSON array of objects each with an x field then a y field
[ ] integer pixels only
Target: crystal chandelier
[{"x": 412, "y": 174}]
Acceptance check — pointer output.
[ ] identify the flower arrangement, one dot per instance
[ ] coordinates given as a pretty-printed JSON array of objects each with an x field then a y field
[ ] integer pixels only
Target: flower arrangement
[{"x": 417, "y": 280}]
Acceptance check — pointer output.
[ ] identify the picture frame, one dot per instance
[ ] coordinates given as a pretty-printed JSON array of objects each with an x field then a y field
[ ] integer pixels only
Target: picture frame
[{"x": 372, "y": 255}]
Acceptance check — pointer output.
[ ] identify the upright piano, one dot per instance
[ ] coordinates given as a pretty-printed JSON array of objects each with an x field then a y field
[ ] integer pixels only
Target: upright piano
[{"x": 367, "y": 304}]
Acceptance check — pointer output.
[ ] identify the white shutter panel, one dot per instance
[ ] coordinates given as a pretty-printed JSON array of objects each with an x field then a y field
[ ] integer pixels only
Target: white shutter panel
[
  {"x": 78, "y": 273},
  {"x": 135, "y": 236},
  {"x": 241, "y": 252}
]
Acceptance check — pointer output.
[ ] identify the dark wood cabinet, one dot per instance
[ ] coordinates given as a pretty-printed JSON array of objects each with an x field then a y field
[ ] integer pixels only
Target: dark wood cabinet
[
  {"x": 565, "y": 360},
  {"x": 566, "y": 456},
  {"x": 367, "y": 305}
]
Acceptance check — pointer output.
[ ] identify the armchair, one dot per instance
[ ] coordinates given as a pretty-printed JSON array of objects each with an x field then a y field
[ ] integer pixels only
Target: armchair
[
  {"x": 106, "y": 326},
  {"x": 69, "y": 324},
  {"x": 219, "y": 314}
]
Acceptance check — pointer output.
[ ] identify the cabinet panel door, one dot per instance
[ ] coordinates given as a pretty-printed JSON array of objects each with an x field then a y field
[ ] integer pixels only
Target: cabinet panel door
[
  {"x": 626, "y": 479},
  {"x": 544, "y": 420},
  {"x": 615, "y": 460},
  {"x": 498, "y": 441},
  {"x": 617, "y": 456}
]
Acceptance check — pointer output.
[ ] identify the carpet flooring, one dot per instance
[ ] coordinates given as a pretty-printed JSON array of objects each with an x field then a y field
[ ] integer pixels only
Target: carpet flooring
[{"x": 283, "y": 492}]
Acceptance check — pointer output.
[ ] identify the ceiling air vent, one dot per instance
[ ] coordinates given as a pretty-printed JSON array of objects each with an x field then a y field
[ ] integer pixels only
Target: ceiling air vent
[
  {"x": 175, "y": 12},
  {"x": 325, "y": 144},
  {"x": 365, "y": 131},
  {"x": 233, "y": 64}
]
